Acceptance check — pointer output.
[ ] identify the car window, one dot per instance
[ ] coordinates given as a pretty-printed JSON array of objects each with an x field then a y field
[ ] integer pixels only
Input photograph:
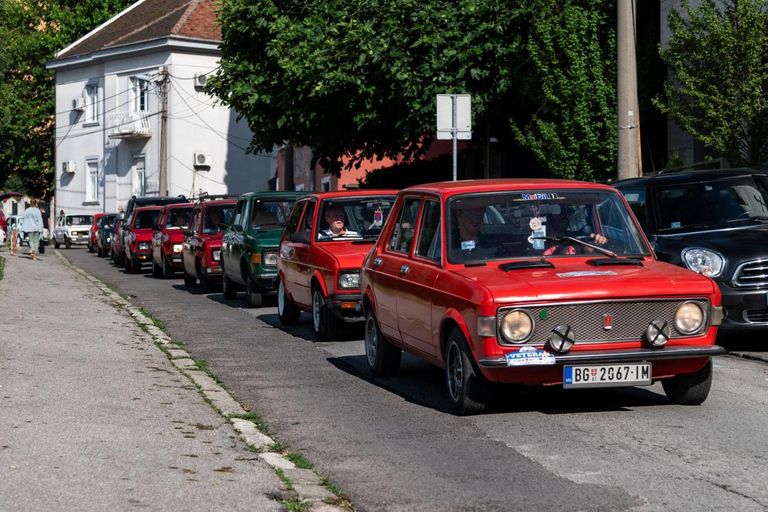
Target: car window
[
  {"x": 194, "y": 224},
  {"x": 430, "y": 245},
  {"x": 293, "y": 220},
  {"x": 309, "y": 217},
  {"x": 218, "y": 216},
  {"x": 353, "y": 217},
  {"x": 178, "y": 218},
  {"x": 403, "y": 231},
  {"x": 268, "y": 214},
  {"x": 145, "y": 219},
  {"x": 636, "y": 200},
  {"x": 238, "y": 220}
]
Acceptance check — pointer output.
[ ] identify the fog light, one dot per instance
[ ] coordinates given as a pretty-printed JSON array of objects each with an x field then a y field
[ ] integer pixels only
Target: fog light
[
  {"x": 517, "y": 326},
  {"x": 689, "y": 318},
  {"x": 657, "y": 333},
  {"x": 562, "y": 338}
]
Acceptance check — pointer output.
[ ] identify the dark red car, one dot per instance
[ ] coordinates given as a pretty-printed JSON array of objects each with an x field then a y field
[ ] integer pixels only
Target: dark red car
[
  {"x": 137, "y": 237},
  {"x": 537, "y": 282},
  {"x": 201, "y": 250},
  {"x": 324, "y": 242},
  {"x": 93, "y": 233},
  {"x": 168, "y": 237}
]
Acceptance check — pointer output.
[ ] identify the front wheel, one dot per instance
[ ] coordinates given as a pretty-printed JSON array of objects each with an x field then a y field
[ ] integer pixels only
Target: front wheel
[
  {"x": 55, "y": 243},
  {"x": 189, "y": 281},
  {"x": 689, "y": 388},
  {"x": 468, "y": 390},
  {"x": 156, "y": 270},
  {"x": 167, "y": 268},
  {"x": 67, "y": 243},
  {"x": 382, "y": 357},
  {"x": 287, "y": 311},
  {"x": 323, "y": 321},
  {"x": 228, "y": 287},
  {"x": 253, "y": 297}
]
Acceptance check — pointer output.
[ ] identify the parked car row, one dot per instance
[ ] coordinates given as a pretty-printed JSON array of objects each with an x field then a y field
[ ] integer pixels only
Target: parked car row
[{"x": 535, "y": 282}]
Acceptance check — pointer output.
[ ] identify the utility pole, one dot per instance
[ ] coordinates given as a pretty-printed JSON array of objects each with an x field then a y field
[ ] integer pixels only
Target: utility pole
[
  {"x": 164, "y": 132},
  {"x": 628, "y": 115}
]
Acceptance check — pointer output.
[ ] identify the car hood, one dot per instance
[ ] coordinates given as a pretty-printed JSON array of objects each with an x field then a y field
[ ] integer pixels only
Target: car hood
[
  {"x": 143, "y": 235},
  {"x": 348, "y": 254},
  {"x": 744, "y": 244},
  {"x": 574, "y": 278},
  {"x": 266, "y": 239},
  {"x": 175, "y": 235}
]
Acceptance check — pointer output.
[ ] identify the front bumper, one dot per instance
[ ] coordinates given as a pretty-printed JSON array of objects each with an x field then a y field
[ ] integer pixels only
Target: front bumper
[
  {"x": 747, "y": 309},
  {"x": 346, "y": 306}
]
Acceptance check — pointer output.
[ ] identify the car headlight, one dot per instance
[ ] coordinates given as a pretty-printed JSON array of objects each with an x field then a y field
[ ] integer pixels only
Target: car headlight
[
  {"x": 349, "y": 280},
  {"x": 109, "y": 239},
  {"x": 270, "y": 259},
  {"x": 704, "y": 261},
  {"x": 517, "y": 326},
  {"x": 216, "y": 255},
  {"x": 689, "y": 318},
  {"x": 176, "y": 248},
  {"x": 143, "y": 246}
]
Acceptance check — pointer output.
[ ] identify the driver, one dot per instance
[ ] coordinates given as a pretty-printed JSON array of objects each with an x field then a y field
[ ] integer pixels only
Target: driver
[
  {"x": 573, "y": 225},
  {"x": 215, "y": 220},
  {"x": 334, "y": 216}
]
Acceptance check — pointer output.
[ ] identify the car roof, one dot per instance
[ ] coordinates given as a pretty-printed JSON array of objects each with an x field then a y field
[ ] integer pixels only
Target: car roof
[
  {"x": 206, "y": 204},
  {"x": 179, "y": 205},
  {"x": 146, "y": 208},
  {"x": 353, "y": 193},
  {"x": 451, "y": 188},
  {"x": 155, "y": 200},
  {"x": 686, "y": 176},
  {"x": 273, "y": 193}
]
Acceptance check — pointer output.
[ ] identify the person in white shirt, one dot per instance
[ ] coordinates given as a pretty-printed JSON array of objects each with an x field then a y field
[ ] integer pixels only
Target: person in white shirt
[{"x": 334, "y": 216}]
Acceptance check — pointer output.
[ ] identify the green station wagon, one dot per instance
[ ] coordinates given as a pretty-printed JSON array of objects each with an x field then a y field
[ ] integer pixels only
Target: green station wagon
[{"x": 249, "y": 246}]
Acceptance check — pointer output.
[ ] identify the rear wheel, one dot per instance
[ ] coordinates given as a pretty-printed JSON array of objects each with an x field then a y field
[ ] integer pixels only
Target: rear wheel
[
  {"x": 286, "y": 310},
  {"x": 323, "y": 321},
  {"x": 468, "y": 390},
  {"x": 90, "y": 247},
  {"x": 228, "y": 287},
  {"x": 156, "y": 270},
  {"x": 382, "y": 357},
  {"x": 689, "y": 388},
  {"x": 253, "y": 296}
]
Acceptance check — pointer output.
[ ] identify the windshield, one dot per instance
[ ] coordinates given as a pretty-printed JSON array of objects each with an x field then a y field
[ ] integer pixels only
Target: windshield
[
  {"x": 269, "y": 214},
  {"x": 713, "y": 204},
  {"x": 178, "y": 217},
  {"x": 145, "y": 219},
  {"x": 79, "y": 220},
  {"x": 545, "y": 223},
  {"x": 355, "y": 217},
  {"x": 217, "y": 217}
]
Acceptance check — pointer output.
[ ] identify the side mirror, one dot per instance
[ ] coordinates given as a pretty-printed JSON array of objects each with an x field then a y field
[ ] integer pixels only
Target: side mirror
[
  {"x": 121, "y": 216},
  {"x": 300, "y": 237}
]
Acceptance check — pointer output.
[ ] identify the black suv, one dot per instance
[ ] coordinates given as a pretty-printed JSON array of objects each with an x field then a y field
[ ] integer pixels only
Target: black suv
[{"x": 713, "y": 222}]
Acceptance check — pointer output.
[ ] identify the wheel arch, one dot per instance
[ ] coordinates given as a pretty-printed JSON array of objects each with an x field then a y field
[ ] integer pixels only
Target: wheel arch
[{"x": 452, "y": 319}]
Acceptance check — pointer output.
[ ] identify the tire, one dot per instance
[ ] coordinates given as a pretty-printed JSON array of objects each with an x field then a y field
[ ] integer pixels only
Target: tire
[
  {"x": 468, "y": 390},
  {"x": 206, "y": 285},
  {"x": 382, "y": 357},
  {"x": 189, "y": 281},
  {"x": 135, "y": 266},
  {"x": 67, "y": 243},
  {"x": 287, "y": 311},
  {"x": 689, "y": 388},
  {"x": 253, "y": 297},
  {"x": 90, "y": 247},
  {"x": 157, "y": 272},
  {"x": 167, "y": 269},
  {"x": 56, "y": 243},
  {"x": 100, "y": 252},
  {"x": 324, "y": 323},
  {"x": 228, "y": 287},
  {"x": 126, "y": 263}
]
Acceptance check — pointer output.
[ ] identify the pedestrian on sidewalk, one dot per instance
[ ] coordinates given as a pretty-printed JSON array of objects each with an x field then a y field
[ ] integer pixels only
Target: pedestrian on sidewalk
[{"x": 33, "y": 225}]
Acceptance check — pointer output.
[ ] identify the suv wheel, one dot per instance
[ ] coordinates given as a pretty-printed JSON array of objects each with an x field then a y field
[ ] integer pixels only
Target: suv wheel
[
  {"x": 55, "y": 243},
  {"x": 323, "y": 321},
  {"x": 206, "y": 285},
  {"x": 286, "y": 310},
  {"x": 189, "y": 281}
]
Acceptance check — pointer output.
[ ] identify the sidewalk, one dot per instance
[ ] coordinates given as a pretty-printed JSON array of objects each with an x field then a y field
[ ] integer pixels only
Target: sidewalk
[{"x": 94, "y": 416}]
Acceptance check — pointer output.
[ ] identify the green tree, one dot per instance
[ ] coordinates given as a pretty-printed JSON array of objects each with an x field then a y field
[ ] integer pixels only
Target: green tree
[
  {"x": 31, "y": 32},
  {"x": 718, "y": 61},
  {"x": 570, "y": 80}
]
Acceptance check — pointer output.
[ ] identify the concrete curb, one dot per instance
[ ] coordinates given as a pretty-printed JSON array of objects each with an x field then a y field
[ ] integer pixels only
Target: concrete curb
[{"x": 305, "y": 483}]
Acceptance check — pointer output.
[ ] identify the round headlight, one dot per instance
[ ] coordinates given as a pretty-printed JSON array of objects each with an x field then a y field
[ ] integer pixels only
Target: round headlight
[
  {"x": 704, "y": 261},
  {"x": 689, "y": 318},
  {"x": 517, "y": 326}
]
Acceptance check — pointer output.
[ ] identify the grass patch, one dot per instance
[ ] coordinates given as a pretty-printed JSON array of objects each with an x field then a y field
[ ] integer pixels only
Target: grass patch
[
  {"x": 156, "y": 322},
  {"x": 298, "y": 460},
  {"x": 2, "y": 266},
  {"x": 255, "y": 419},
  {"x": 201, "y": 365}
]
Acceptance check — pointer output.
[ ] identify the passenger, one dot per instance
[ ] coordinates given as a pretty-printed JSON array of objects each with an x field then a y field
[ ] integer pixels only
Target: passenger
[{"x": 468, "y": 244}]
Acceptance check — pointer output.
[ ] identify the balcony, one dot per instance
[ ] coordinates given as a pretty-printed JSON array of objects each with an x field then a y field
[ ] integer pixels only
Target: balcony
[{"x": 129, "y": 125}]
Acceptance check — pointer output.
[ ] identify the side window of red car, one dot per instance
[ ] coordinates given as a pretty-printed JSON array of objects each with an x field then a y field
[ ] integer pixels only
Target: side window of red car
[
  {"x": 293, "y": 219},
  {"x": 309, "y": 217},
  {"x": 195, "y": 224},
  {"x": 402, "y": 234},
  {"x": 430, "y": 245}
]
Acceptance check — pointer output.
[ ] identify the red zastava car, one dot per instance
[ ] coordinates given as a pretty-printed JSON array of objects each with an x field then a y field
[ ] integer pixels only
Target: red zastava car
[
  {"x": 540, "y": 282},
  {"x": 324, "y": 242},
  {"x": 137, "y": 234},
  {"x": 167, "y": 238},
  {"x": 201, "y": 252}
]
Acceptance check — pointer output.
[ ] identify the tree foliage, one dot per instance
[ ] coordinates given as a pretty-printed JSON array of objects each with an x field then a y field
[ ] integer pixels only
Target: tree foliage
[
  {"x": 718, "y": 58},
  {"x": 31, "y": 33}
]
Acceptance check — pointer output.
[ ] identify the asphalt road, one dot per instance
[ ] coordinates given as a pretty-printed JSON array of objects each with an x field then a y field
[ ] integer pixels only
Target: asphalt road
[{"x": 392, "y": 445}]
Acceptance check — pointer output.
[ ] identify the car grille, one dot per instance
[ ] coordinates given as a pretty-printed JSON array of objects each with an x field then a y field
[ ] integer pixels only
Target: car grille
[
  {"x": 759, "y": 316},
  {"x": 628, "y": 319},
  {"x": 752, "y": 273}
]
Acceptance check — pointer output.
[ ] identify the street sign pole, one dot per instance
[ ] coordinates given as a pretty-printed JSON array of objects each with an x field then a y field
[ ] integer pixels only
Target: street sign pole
[{"x": 454, "y": 136}]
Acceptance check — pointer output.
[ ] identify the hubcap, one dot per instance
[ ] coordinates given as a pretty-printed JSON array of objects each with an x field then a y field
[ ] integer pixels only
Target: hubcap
[
  {"x": 316, "y": 311},
  {"x": 454, "y": 372},
  {"x": 371, "y": 341}
]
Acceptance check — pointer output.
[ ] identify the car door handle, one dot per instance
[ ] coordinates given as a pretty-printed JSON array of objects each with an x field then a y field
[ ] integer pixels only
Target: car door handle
[
  {"x": 404, "y": 270},
  {"x": 377, "y": 263}
]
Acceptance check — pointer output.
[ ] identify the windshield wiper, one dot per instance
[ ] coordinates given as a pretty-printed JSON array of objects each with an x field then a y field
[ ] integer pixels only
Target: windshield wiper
[
  {"x": 561, "y": 239},
  {"x": 688, "y": 226},
  {"x": 748, "y": 219}
]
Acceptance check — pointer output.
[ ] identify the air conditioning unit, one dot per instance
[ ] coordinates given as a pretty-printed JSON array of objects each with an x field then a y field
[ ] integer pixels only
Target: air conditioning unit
[
  {"x": 200, "y": 80},
  {"x": 78, "y": 104},
  {"x": 68, "y": 167},
  {"x": 203, "y": 160}
]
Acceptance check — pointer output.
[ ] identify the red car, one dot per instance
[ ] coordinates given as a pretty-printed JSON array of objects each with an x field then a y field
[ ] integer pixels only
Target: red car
[
  {"x": 324, "y": 242},
  {"x": 167, "y": 239},
  {"x": 93, "y": 233},
  {"x": 538, "y": 282},
  {"x": 137, "y": 237},
  {"x": 201, "y": 251}
]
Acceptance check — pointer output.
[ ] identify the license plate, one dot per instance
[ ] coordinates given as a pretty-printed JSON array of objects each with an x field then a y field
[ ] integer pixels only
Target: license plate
[{"x": 607, "y": 375}]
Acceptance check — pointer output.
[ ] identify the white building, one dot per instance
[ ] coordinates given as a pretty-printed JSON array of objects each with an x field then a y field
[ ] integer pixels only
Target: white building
[{"x": 110, "y": 136}]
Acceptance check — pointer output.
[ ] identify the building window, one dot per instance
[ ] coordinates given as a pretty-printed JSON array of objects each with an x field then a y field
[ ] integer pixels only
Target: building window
[
  {"x": 139, "y": 178},
  {"x": 139, "y": 94},
  {"x": 91, "y": 181},
  {"x": 92, "y": 103}
]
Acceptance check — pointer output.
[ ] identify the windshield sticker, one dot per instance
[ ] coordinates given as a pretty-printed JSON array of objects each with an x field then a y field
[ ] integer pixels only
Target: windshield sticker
[
  {"x": 532, "y": 197},
  {"x": 585, "y": 273},
  {"x": 468, "y": 245},
  {"x": 535, "y": 224},
  {"x": 675, "y": 225},
  {"x": 537, "y": 238},
  {"x": 529, "y": 356}
]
